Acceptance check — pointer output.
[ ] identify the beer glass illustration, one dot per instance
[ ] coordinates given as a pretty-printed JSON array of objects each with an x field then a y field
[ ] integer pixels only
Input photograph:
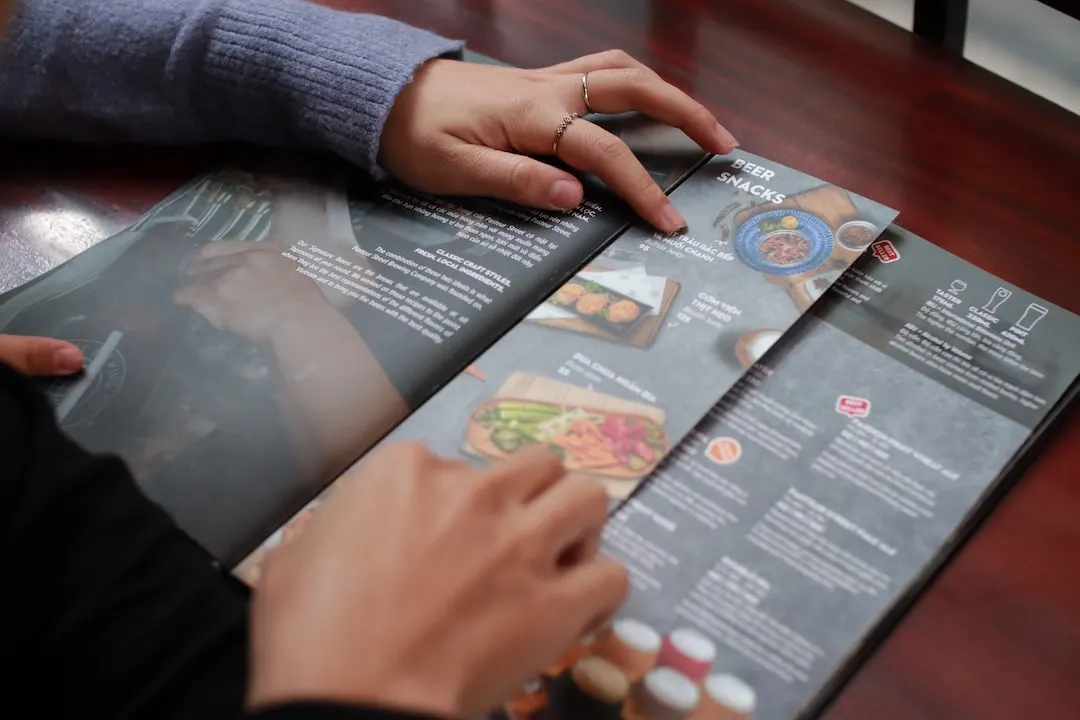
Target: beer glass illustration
[
  {"x": 1000, "y": 295},
  {"x": 1032, "y": 315}
]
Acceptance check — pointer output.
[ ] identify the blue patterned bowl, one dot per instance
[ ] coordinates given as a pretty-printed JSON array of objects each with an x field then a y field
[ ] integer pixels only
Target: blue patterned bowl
[{"x": 811, "y": 228}]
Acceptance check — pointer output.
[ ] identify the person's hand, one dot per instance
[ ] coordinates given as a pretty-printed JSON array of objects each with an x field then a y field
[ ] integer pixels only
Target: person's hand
[
  {"x": 431, "y": 586},
  {"x": 251, "y": 290},
  {"x": 459, "y": 127},
  {"x": 40, "y": 356}
]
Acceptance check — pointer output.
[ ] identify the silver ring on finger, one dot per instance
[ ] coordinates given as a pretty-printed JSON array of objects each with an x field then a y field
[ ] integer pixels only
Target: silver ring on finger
[
  {"x": 585, "y": 93},
  {"x": 566, "y": 122}
]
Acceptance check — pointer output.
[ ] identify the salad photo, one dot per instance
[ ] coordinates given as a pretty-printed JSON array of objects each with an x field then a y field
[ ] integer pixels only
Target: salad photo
[{"x": 621, "y": 445}]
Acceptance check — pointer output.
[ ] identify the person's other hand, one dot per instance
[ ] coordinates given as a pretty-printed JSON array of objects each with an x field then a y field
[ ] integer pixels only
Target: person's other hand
[
  {"x": 459, "y": 127},
  {"x": 251, "y": 290},
  {"x": 431, "y": 586},
  {"x": 40, "y": 356}
]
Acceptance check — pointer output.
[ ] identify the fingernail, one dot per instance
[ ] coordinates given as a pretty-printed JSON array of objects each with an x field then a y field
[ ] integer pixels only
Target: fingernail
[
  {"x": 726, "y": 140},
  {"x": 68, "y": 360},
  {"x": 673, "y": 219},
  {"x": 565, "y": 194}
]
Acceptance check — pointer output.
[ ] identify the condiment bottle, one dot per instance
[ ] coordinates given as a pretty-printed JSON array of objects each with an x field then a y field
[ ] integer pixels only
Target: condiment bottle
[
  {"x": 594, "y": 689},
  {"x": 725, "y": 697},
  {"x": 664, "y": 694},
  {"x": 631, "y": 645}
]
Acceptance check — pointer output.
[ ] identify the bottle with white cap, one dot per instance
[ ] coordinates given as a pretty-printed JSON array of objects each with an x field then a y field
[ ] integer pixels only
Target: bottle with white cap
[
  {"x": 631, "y": 645},
  {"x": 689, "y": 652},
  {"x": 664, "y": 694},
  {"x": 594, "y": 689},
  {"x": 726, "y": 697}
]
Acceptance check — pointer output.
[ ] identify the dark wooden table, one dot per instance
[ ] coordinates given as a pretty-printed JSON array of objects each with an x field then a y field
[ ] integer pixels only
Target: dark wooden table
[{"x": 980, "y": 167}]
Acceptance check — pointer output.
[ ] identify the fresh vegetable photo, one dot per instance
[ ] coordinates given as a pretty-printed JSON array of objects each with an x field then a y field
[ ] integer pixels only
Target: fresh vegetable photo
[{"x": 605, "y": 443}]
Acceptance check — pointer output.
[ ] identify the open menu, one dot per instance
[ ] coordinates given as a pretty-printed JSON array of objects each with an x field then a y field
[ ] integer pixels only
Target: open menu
[
  {"x": 259, "y": 330},
  {"x": 622, "y": 358},
  {"x": 793, "y": 523},
  {"x": 797, "y": 409},
  {"x": 789, "y": 527}
]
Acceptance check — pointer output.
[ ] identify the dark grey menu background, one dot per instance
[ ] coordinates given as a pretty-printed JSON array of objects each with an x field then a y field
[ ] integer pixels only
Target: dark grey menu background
[
  {"x": 199, "y": 412},
  {"x": 789, "y": 556},
  {"x": 409, "y": 360},
  {"x": 1015, "y": 356},
  {"x": 692, "y": 362}
]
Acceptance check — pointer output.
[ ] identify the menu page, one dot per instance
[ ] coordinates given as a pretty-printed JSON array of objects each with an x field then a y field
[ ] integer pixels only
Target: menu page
[
  {"x": 615, "y": 367},
  {"x": 233, "y": 331},
  {"x": 776, "y": 538}
]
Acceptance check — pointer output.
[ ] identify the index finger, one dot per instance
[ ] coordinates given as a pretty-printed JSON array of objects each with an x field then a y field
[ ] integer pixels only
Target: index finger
[
  {"x": 589, "y": 594},
  {"x": 595, "y": 61},
  {"x": 639, "y": 89},
  {"x": 589, "y": 147},
  {"x": 527, "y": 473}
]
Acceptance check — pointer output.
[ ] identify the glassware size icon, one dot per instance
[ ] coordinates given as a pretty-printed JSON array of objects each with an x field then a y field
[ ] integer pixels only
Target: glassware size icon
[
  {"x": 1000, "y": 295},
  {"x": 1032, "y": 315}
]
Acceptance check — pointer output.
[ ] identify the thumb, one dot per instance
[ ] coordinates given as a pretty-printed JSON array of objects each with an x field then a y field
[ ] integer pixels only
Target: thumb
[
  {"x": 517, "y": 178},
  {"x": 40, "y": 356}
]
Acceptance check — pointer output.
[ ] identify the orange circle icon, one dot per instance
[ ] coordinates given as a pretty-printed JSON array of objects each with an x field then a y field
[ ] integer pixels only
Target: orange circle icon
[{"x": 724, "y": 451}]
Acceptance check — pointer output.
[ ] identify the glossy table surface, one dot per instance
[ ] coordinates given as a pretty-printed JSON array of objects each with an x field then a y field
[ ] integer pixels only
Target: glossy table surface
[{"x": 978, "y": 166}]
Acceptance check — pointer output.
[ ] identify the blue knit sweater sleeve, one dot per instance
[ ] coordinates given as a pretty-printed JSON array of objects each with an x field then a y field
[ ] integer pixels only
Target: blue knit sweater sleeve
[{"x": 284, "y": 73}]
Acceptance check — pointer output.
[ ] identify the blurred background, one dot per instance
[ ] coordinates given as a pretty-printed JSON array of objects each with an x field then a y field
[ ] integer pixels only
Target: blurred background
[{"x": 1025, "y": 41}]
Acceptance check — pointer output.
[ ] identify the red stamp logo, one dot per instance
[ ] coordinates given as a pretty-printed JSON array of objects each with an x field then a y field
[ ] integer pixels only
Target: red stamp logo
[
  {"x": 885, "y": 251},
  {"x": 852, "y": 406}
]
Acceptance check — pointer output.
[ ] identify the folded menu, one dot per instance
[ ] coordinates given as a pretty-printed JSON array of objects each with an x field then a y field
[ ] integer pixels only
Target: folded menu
[
  {"x": 773, "y": 540},
  {"x": 781, "y": 482},
  {"x": 621, "y": 358},
  {"x": 791, "y": 443},
  {"x": 781, "y": 539},
  {"x": 234, "y": 330}
]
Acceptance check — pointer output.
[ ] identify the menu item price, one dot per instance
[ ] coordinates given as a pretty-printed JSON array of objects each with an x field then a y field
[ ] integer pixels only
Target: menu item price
[{"x": 606, "y": 443}]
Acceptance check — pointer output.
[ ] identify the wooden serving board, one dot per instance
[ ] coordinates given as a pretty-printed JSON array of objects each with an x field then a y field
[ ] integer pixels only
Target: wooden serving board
[
  {"x": 643, "y": 335},
  {"x": 526, "y": 386},
  {"x": 831, "y": 204}
]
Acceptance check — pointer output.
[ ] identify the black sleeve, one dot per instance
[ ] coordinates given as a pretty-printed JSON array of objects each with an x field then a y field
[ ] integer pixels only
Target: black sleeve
[{"x": 114, "y": 612}]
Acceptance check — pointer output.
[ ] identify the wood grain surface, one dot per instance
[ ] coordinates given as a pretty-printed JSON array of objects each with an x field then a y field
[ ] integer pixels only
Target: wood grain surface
[{"x": 977, "y": 165}]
